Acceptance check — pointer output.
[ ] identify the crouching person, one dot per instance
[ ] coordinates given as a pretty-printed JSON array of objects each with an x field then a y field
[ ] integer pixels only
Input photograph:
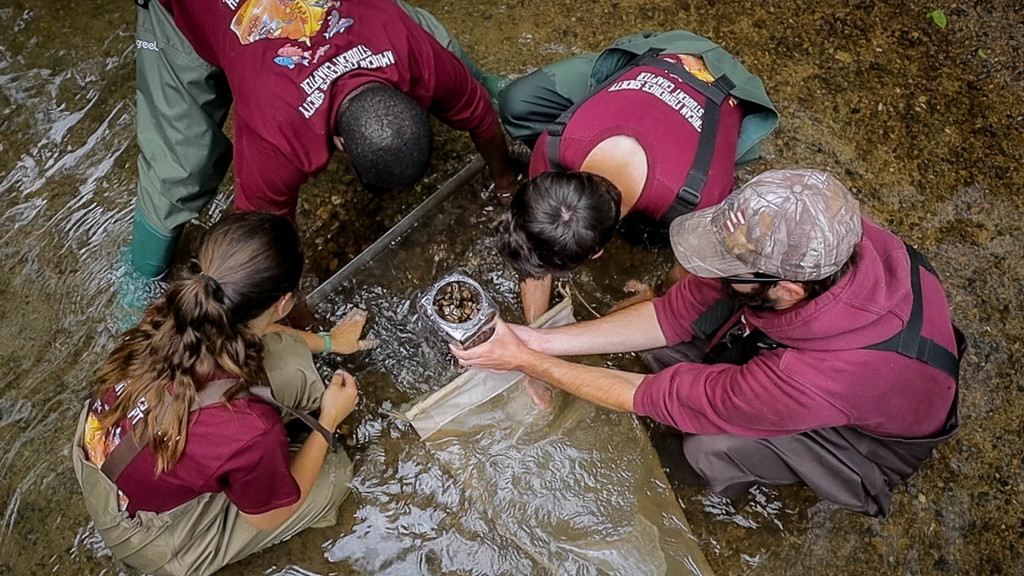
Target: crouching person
[
  {"x": 182, "y": 454},
  {"x": 652, "y": 126},
  {"x": 818, "y": 348}
]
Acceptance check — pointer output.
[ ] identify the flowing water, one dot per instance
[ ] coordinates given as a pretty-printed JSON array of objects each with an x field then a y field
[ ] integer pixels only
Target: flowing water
[{"x": 926, "y": 124}]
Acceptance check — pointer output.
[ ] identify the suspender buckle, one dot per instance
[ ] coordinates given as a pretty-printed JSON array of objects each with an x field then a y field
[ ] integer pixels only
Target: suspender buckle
[{"x": 687, "y": 198}]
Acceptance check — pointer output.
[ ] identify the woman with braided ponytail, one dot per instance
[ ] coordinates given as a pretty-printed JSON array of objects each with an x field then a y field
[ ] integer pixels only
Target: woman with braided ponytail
[{"x": 183, "y": 461}]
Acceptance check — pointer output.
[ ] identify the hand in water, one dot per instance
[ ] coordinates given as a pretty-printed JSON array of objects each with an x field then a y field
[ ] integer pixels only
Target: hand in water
[
  {"x": 641, "y": 293},
  {"x": 539, "y": 392},
  {"x": 504, "y": 187},
  {"x": 345, "y": 334}
]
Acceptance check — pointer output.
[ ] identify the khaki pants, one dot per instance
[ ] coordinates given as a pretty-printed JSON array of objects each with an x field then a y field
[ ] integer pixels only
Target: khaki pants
[{"x": 205, "y": 534}]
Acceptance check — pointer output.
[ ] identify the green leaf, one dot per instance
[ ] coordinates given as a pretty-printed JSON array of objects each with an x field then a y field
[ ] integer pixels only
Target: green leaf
[
  {"x": 939, "y": 17},
  {"x": 982, "y": 54}
]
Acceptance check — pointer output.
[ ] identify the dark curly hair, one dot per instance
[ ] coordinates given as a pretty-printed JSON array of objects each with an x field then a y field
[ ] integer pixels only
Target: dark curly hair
[
  {"x": 386, "y": 135},
  {"x": 557, "y": 221}
]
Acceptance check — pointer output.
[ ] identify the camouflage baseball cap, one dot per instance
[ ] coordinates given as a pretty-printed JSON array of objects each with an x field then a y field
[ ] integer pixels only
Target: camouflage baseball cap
[{"x": 799, "y": 225}]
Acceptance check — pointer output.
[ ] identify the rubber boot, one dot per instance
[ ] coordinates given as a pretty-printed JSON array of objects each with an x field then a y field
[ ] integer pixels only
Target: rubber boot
[{"x": 151, "y": 249}]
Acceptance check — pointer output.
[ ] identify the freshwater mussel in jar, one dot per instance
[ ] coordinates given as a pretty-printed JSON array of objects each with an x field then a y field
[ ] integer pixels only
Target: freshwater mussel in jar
[{"x": 457, "y": 302}]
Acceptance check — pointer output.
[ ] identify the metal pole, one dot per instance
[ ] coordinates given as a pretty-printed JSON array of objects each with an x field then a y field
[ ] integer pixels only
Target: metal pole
[{"x": 442, "y": 194}]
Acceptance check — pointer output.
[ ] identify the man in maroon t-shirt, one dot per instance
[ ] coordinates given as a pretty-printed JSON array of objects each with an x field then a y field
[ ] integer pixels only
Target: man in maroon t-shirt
[
  {"x": 305, "y": 78},
  {"x": 659, "y": 137}
]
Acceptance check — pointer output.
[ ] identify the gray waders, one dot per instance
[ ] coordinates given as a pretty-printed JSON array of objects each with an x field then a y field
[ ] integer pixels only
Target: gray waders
[
  {"x": 208, "y": 533},
  {"x": 843, "y": 465}
]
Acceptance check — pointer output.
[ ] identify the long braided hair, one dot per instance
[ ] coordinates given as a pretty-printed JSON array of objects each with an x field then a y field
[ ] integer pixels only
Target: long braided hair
[{"x": 201, "y": 326}]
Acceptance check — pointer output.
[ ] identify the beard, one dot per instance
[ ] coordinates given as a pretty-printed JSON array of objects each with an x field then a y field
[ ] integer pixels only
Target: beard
[{"x": 756, "y": 299}]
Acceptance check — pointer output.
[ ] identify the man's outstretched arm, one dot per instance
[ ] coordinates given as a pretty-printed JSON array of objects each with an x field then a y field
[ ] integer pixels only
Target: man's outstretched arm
[
  {"x": 505, "y": 351},
  {"x": 628, "y": 330}
]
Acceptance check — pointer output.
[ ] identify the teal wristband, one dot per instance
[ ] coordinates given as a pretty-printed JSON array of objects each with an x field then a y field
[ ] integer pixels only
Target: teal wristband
[{"x": 327, "y": 342}]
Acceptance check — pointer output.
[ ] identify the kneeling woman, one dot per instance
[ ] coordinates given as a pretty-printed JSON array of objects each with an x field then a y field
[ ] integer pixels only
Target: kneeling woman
[{"x": 183, "y": 468}]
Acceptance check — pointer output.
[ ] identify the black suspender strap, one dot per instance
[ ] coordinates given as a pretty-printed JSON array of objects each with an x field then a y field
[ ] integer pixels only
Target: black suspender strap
[
  {"x": 714, "y": 318},
  {"x": 557, "y": 128},
  {"x": 714, "y": 95},
  {"x": 909, "y": 342}
]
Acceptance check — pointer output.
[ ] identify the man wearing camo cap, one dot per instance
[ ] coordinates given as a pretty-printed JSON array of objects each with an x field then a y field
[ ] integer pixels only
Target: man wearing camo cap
[{"x": 808, "y": 346}]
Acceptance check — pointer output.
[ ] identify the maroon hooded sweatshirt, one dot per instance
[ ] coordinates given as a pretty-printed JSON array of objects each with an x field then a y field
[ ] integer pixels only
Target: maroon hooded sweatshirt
[{"x": 823, "y": 378}]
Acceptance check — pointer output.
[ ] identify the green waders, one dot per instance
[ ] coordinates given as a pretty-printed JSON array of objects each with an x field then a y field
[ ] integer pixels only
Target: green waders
[
  {"x": 182, "y": 103},
  {"x": 205, "y": 534},
  {"x": 530, "y": 104}
]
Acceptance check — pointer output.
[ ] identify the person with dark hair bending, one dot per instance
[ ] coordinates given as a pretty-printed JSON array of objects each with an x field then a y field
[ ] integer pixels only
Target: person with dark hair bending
[
  {"x": 652, "y": 125},
  {"x": 807, "y": 346},
  {"x": 306, "y": 79},
  {"x": 182, "y": 454}
]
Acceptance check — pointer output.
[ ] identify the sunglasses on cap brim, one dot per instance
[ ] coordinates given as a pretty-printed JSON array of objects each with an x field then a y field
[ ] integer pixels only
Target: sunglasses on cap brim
[{"x": 757, "y": 278}]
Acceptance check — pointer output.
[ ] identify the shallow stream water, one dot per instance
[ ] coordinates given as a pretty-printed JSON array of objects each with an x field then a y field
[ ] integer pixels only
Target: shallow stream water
[{"x": 925, "y": 124}]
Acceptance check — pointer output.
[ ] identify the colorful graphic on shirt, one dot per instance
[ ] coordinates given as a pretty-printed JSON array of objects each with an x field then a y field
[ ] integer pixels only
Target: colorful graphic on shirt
[
  {"x": 695, "y": 65},
  {"x": 336, "y": 24},
  {"x": 297, "y": 20},
  {"x": 99, "y": 441},
  {"x": 291, "y": 55}
]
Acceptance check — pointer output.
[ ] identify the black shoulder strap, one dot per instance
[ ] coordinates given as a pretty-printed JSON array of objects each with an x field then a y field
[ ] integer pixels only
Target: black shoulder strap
[
  {"x": 909, "y": 342},
  {"x": 714, "y": 318},
  {"x": 714, "y": 94},
  {"x": 130, "y": 446}
]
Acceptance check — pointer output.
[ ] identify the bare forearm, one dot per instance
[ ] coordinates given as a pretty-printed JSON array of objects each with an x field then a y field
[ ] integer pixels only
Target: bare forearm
[
  {"x": 536, "y": 294},
  {"x": 307, "y": 463},
  {"x": 609, "y": 388},
  {"x": 494, "y": 151},
  {"x": 627, "y": 330}
]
